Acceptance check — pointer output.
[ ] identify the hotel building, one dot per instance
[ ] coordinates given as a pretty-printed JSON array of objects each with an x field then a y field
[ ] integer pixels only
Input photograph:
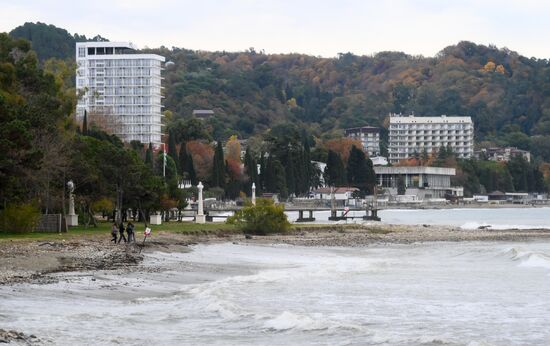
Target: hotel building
[
  {"x": 368, "y": 136},
  {"x": 122, "y": 88},
  {"x": 409, "y": 135}
]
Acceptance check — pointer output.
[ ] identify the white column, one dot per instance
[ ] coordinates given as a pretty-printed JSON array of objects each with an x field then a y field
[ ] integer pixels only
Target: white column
[
  {"x": 201, "y": 218},
  {"x": 253, "y": 193}
]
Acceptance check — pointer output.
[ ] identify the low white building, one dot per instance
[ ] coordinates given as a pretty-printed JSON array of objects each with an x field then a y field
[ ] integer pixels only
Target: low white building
[
  {"x": 340, "y": 193},
  {"x": 422, "y": 181}
]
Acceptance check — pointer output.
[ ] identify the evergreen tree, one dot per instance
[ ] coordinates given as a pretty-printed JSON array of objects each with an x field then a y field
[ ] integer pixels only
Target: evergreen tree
[
  {"x": 218, "y": 167},
  {"x": 251, "y": 170},
  {"x": 149, "y": 156},
  {"x": 290, "y": 175},
  {"x": 172, "y": 150},
  {"x": 360, "y": 173},
  {"x": 275, "y": 177},
  {"x": 335, "y": 173},
  {"x": 183, "y": 160},
  {"x": 85, "y": 124}
]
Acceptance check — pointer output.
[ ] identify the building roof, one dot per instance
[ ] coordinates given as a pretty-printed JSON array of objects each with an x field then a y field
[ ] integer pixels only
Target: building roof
[
  {"x": 363, "y": 129},
  {"x": 415, "y": 170},
  {"x": 336, "y": 190},
  {"x": 411, "y": 119}
]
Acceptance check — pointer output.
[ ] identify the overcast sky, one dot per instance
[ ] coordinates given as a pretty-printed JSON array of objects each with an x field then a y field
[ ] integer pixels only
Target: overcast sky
[{"x": 320, "y": 27}]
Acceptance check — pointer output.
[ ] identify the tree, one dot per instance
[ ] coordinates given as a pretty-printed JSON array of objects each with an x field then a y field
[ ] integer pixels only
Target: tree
[
  {"x": 218, "y": 167},
  {"x": 335, "y": 174},
  {"x": 172, "y": 150},
  {"x": 85, "y": 123},
  {"x": 359, "y": 172},
  {"x": 149, "y": 156}
]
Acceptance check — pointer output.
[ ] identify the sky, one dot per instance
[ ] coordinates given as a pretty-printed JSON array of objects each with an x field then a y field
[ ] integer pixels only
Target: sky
[{"x": 321, "y": 28}]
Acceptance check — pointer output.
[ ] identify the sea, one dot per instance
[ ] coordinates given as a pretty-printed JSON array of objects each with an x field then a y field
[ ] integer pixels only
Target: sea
[{"x": 432, "y": 293}]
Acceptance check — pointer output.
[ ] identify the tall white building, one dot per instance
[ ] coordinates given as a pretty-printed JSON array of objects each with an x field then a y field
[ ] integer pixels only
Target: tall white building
[
  {"x": 410, "y": 135},
  {"x": 369, "y": 137},
  {"x": 120, "y": 88}
]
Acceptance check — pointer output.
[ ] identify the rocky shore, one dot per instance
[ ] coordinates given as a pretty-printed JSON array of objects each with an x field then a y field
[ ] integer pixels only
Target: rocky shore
[{"x": 33, "y": 261}]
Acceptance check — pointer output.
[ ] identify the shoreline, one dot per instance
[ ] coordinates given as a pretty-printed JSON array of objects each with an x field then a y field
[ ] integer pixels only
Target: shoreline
[{"x": 31, "y": 261}]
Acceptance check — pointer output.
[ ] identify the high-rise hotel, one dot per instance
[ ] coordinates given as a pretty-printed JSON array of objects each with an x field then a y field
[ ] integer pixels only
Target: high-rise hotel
[
  {"x": 411, "y": 135},
  {"x": 121, "y": 88}
]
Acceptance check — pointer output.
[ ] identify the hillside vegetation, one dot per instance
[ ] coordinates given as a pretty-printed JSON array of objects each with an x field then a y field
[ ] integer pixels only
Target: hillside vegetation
[{"x": 506, "y": 94}]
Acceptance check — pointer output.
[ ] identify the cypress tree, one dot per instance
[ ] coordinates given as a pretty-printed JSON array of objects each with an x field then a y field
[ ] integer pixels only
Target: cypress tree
[
  {"x": 149, "y": 156},
  {"x": 85, "y": 124},
  {"x": 183, "y": 159},
  {"x": 218, "y": 167},
  {"x": 360, "y": 173},
  {"x": 172, "y": 150},
  {"x": 191, "y": 169},
  {"x": 335, "y": 173},
  {"x": 290, "y": 175}
]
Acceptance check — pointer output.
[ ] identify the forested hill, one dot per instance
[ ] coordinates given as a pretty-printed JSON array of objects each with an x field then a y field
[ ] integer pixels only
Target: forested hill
[
  {"x": 506, "y": 94},
  {"x": 49, "y": 41}
]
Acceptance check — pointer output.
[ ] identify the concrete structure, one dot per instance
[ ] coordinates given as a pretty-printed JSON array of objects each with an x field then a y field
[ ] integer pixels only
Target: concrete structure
[
  {"x": 424, "y": 182},
  {"x": 502, "y": 154},
  {"x": 200, "y": 218},
  {"x": 253, "y": 193},
  {"x": 120, "y": 89},
  {"x": 369, "y": 137},
  {"x": 379, "y": 161},
  {"x": 340, "y": 193},
  {"x": 155, "y": 219},
  {"x": 410, "y": 135}
]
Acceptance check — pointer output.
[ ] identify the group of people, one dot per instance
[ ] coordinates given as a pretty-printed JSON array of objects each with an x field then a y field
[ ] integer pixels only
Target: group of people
[{"x": 119, "y": 230}]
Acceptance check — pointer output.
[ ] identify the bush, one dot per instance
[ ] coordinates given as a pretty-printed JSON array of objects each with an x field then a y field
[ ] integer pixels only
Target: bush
[
  {"x": 20, "y": 218},
  {"x": 263, "y": 218}
]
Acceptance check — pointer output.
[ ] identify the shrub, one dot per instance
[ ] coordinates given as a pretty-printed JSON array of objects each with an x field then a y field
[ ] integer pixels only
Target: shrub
[
  {"x": 263, "y": 218},
  {"x": 20, "y": 218}
]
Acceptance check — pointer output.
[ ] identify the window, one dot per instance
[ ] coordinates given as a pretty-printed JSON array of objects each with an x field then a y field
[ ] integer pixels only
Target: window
[
  {"x": 91, "y": 51},
  {"x": 109, "y": 50},
  {"x": 81, "y": 52}
]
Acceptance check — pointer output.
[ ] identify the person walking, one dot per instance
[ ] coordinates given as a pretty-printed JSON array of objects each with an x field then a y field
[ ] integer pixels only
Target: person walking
[
  {"x": 121, "y": 233},
  {"x": 130, "y": 231},
  {"x": 114, "y": 230}
]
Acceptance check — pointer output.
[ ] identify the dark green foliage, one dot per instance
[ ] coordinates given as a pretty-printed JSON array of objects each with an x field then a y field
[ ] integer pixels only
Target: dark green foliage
[
  {"x": 335, "y": 173},
  {"x": 49, "y": 41},
  {"x": 275, "y": 177},
  {"x": 85, "y": 123},
  {"x": 149, "y": 156},
  {"x": 218, "y": 167},
  {"x": 360, "y": 171},
  {"x": 263, "y": 218},
  {"x": 172, "y": 150}
]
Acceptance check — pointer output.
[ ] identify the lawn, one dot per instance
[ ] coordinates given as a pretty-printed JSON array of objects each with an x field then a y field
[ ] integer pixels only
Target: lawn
[{"x": 105, "y": 228}]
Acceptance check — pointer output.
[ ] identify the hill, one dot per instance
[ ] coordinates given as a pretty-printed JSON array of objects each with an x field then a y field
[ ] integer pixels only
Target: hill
[
  {"x": 506, "y": 94},
  {"x": 49, "y": 41}
]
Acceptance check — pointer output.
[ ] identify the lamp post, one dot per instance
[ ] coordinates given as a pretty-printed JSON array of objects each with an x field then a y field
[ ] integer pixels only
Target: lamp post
[{"x": 253, "y": 193}]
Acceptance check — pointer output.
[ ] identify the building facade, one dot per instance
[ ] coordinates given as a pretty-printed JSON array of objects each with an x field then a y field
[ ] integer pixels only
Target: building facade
[
  {"x": 502, "y": 154},
  {"x": 120, "y": 89},
  {"x": 368, "y": 136},
  {"x": 423, "y": 181},
  {"x": 410, "y": 135}
]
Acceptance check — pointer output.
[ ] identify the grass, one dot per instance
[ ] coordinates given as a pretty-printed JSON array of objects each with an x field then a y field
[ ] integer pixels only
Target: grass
[{"x": 104, "y": 229}]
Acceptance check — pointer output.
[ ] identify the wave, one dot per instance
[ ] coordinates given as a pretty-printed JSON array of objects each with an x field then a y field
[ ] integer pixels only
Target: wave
[
  {"x": 479, "y": 225},
  {"x": 529, "y": 259},
  {"x": 316, "y": 322}
]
